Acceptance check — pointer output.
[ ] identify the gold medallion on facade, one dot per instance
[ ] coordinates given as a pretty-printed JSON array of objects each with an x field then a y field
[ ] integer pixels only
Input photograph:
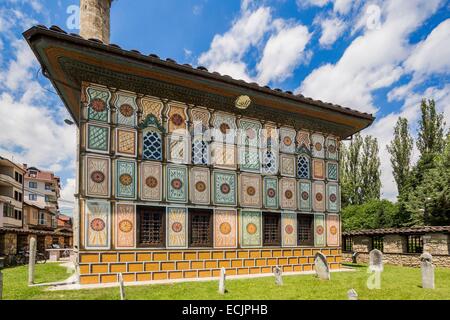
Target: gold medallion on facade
[{"x": 242, "y": 102}]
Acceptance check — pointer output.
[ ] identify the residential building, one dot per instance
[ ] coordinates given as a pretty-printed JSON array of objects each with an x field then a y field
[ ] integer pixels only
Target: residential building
[
  {"x": 11, "y": 193},
  {"x": 42, "y": 188}
]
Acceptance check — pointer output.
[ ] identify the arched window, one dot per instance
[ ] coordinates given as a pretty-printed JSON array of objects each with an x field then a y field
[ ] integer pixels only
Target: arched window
[
  {"x": 199, "y": 151},
  {"x": 303, "y": 165},
  {"x": 152, "y": 145}
]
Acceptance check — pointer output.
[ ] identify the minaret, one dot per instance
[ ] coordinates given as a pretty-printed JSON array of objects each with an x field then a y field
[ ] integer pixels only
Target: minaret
[{"x": 95, "y": 19}]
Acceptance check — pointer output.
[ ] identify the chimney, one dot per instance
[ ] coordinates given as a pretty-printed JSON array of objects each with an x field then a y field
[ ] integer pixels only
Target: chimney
[{"x": 95, "y": 19}]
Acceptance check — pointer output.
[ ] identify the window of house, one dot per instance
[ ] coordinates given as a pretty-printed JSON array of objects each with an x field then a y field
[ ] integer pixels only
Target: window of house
[
  {"x": 18, "y": 177},
  {"x": 303, "y": 167},
  {"x": 347, "y": 244},
  {"x": 201, "y": 228},
  {"x": 8, "y": 210},
  {"x": 305, "y": 229},
  {"x": 414, "y": 244},
  {"x": 271, "y": 229},
  {"x": 32, "y": 184},
  {"x": 17, "y": 214},
  {"x": 47, "y": 198},
  {"x": 32, "y": 197},
  {"x": 33, "y": 173},
  {"x": 377, "y": 243},
  {"x": 152, "y": 145},
  {"x": 151, "y": 226},
  {"x": 48, "y": 186},
  {"x": 41, "y": 218},
  {"x": 17, "y": 196}
]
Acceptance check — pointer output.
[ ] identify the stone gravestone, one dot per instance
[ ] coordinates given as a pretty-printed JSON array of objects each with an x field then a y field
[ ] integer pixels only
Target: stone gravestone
[
  {"x": 375, "y": 261},
  {"x": 31, "y": 261},
  {"x": 122, "y": 287},
  {"x": 321, "y": 266},
  {"x": 222, "y": 289},
  {"x": 427, "y": 268},
  {"x": 352, "y": 294},
  {"x": 277, "y": 273}
]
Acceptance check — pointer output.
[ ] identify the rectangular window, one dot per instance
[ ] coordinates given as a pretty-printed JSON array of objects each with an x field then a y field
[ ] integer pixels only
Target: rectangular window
[
  {"x": 271, "y": 229},
  {"x": 201, "y": 228},
  {"x": 151, "y": 226},
  {"x": 414, "y": 244},
  {"x": 32, "y": 184},
  {"x": 347, "y": 244},
  {"x": 17, "y": 177},
  {"x": 305, "y": 229},
  {"x": 47, "y": 198},
  {"x": 377, "y": 243},
  {"x": 48, "y": 186},
  {"x": 17, "y": 214},
  {"x": 41, "y": 217},
  {"x": 32, "y": 197}
]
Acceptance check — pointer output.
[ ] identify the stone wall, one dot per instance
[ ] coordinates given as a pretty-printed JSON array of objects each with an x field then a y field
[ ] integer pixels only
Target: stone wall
[{"x": 401, "y": 259}]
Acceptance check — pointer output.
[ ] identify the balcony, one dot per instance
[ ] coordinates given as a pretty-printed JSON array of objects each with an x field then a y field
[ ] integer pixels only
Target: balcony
[{"x": 6, "y": 180}]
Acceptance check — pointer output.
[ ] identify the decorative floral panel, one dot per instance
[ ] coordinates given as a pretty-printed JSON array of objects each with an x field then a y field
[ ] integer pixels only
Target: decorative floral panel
[
  {"x": 270, "y": 192},
  {"x": 126, "y": 109},
  {"x": 126, "y": 142},
  {"x": 304, "y": 195},
  {"x": 303, "y": 141},
  {"x": 200, "y": 187},
  {"x": 152, "y": 106},
  {"x": 249, "y": 159},
  {"x": 249, "y": 132},
  {"x": 97, "y": 225},
  {"x": 97, "y": 176},
  {"x": 200, "y": 151},
  {"x": 270, "y": 137},
  {"x": 97, "y": 138},
  {"x": 200, "y": 121},
  {"x": 332, "y": 148},
  {"x": 176, "y": 118},
  {"x": 125, "y": 226},
  {"x": 152, "y": 145},
  {"x": 287, "y": 140},
  {"x": 223, "y": 155},
  {"x": 332, "y": 197},
  {"x": 177, "y": 227},
  {"x": 250, "y": 191},
  {"x": 319, "y": 230},
  {"x": 224, "y": 127},
  {"x": 318, "y": 169},
  {"x": 151, "y": 181},
  {"x": 333, "y": 228},
  {"x": 225, "y": 228},
  {"x": 269, "y": 161},
  {"x": 318, "y": 142},
  {"x": 303, "y": 166},
  {"x": 289, "y": 229},
  {"x": 332, "y": 171},
  {"x": 287, "y": 165},
  {"x": 250, "y": 229},
  {"x": 125, "y": 179},
  {"x": 178, "y": 148},
  {"x": 288, "y": 194},
  {"x": 177, "y": 184},
  {"x": 225, "y": 188},
  {"x": 318, "y": 196},
  {"x": 98, "y": 103}
]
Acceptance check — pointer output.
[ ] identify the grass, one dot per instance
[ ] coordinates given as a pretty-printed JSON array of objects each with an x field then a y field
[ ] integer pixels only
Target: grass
[{"x": 397, "y": 283}]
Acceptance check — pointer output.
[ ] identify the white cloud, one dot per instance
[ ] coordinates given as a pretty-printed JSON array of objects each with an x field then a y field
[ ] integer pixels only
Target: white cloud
[
  {"x": 282, "y": 53},
  {"x": 317, "y": 3},
  {"x": 332, "y": 29},
  {"x": 67, "y": 195}
]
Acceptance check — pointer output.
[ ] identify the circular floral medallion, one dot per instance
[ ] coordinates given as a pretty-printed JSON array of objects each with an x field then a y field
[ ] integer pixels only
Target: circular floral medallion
[
  {"x": 125, "y": 179},
  {"x": 177, "y": 119},
  {"x": 305, "y": 195},
  {"x": 288, "y": 194},
  {"x": 271, "y": 192},
  {"x": 251, "y": 134},
  {"x": 319, "y": 230},
  {"x": 97, "y": 224},
  {"x": 251, "y": 228},
  {"x": 176, "y": 184},
  {"x": 287, "y": 141},
  {"x": 98, "y": 105},
  {"x": 177, "y": 227},
  {"x": 251, "y": 191},
  {"x": 224, "y": 127},
  {"x": 97, "y": 176},
  {"x": 289, "y": 229},
  {"x": 225, "y": 228},
  {"x": 225, "y": 188},
  {"x": 151, "y": 182},
  {"x": 333, "y": 197},
  {"x": 333, "y": 230},
  {"x": 319, "y": 196},
  {"x": 125, "y": 226},
  {"x": 318, "y": 146},
  {"x": 200, "y": 186},
  {"x": 126, "y": 110},
  {"x": 332, "y": 148}
]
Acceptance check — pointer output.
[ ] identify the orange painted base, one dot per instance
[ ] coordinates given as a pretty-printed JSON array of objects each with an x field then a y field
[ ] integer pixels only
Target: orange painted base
[{"x": 104, "y": 266}]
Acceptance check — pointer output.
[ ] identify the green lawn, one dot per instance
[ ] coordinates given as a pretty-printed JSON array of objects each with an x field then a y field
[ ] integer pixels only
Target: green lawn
[{"x": 397, "y": 283}]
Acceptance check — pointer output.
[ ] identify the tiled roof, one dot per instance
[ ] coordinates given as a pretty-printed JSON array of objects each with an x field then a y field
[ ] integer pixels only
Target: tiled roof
[
  {"x": 38, "y": 232},
  {"x": 42, "y": 175},
  {"x": 406, "y": 230},
  {"x": 201, "y": 70}
]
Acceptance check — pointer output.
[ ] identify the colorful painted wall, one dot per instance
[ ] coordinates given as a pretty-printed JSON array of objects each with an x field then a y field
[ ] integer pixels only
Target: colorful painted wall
[{"x": 139, "y": 152}]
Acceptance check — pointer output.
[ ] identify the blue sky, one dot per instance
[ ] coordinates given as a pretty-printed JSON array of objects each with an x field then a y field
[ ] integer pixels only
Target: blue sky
[{"x": 380, "y": 57}]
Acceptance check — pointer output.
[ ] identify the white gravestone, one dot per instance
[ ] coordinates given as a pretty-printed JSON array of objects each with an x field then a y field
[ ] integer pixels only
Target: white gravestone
[
  {"x": 122, "y": 287},
  {"x": 32, "y": 261},
  {"x": 222, "y": 289},
  {"x": 375, "y": 261},
  {"x": 427, "y": 269},
  {"x": 352, "y": 294},
  {"x": 321, "y": 266},
  {"x": 278, "y": 276}
]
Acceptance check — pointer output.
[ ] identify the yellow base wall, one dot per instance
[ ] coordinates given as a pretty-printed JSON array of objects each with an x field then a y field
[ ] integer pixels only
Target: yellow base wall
[{"x": 104, "y": 266}]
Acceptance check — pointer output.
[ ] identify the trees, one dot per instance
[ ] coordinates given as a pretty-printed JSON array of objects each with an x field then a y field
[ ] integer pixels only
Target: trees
[{"x": 370, "y": 215}]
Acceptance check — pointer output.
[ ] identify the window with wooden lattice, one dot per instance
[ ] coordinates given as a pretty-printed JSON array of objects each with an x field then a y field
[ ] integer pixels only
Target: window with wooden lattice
[
  {"x": 305, "y": 230},
  {"x": 415, "y": 243},
  {"x": 377, "y": 243},
  {"x": 271, "y": 229},
  {"x": 201, "y": 228},
  {"x": 151, "y": 226}
]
